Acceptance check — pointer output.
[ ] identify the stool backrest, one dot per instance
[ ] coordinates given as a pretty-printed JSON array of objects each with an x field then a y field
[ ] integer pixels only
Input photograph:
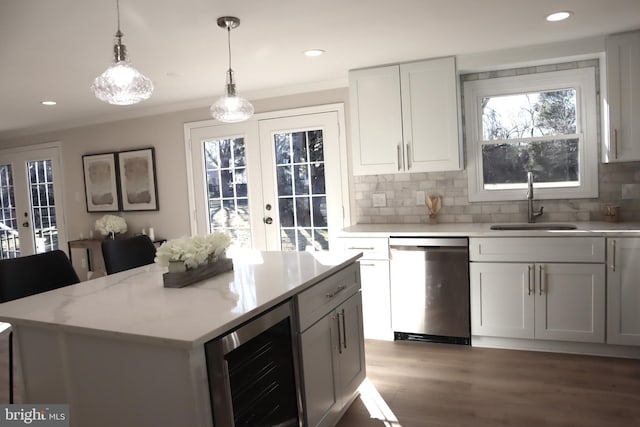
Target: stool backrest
[
  {"x": 33, "y": 274},
  {"x": 124, "y": 254}
]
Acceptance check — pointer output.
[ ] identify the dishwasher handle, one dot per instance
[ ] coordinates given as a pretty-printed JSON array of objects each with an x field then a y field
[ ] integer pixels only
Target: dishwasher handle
[{"x": 428, "y": 242}]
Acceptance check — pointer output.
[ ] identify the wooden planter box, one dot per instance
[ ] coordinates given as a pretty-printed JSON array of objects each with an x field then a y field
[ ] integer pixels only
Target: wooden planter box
[{"x": 179, "y": 280}]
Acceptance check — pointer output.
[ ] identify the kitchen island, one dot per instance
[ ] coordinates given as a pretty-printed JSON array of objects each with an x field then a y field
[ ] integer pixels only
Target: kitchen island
[{"x": 125, "y": 350}]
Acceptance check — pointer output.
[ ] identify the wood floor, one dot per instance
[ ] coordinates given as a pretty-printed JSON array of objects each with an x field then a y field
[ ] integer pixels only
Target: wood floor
[
  {"x": 422, "y": 384},
  {"x": 437, "y": 385}
]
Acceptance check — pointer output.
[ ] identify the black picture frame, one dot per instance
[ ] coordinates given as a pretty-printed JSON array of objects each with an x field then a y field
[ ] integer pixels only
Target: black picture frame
[
  {"x": 137, "y": 180},
  {"x": 101, "y": 183}
]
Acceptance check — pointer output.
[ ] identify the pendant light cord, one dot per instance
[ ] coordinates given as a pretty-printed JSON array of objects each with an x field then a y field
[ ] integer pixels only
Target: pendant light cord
[
  {"x": 118, "y": 13},
  {"x": 229, "y": 42}
]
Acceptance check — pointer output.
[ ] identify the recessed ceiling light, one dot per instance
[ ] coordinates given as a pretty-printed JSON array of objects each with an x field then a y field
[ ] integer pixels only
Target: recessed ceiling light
[
  {"x": 48, "y": 103},
  {"x": 313, "y": 52},
  {"x": 558, "y": 16}
]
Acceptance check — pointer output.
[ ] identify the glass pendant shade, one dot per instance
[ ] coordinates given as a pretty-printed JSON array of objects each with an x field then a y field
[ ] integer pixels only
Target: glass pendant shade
[
  {"x": 230, "y": 107},
  {"x": 121, "y": 83}
]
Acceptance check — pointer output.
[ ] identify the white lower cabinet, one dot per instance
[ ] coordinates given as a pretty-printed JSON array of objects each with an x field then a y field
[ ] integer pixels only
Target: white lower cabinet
[
  {"x": 376, "y": 288},
  {"x": 623, "y": 291},
  {"x": 376, "y": 299},
  {"x": 332, "y": 352},
  {"x": 563, "y": 301}
]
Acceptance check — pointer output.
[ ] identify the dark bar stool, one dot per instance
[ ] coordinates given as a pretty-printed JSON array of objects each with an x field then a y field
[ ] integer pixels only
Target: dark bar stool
[
  {"x": 30, "y": 275},
  {"x": 124, "y": 254}
]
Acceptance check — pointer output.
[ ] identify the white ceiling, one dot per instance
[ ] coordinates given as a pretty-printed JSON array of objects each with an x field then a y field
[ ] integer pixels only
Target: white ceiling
[{"x": 53, "y": 49}]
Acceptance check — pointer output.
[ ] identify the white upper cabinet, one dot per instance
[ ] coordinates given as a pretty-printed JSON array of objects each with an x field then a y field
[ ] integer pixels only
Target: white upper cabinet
[
  {"x": 404, "y": 118},
  {"x": 623, "y": 86}
]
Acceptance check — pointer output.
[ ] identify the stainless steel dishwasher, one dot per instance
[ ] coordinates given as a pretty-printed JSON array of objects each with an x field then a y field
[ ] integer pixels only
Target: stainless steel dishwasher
[{"x": 430, "y": 289}]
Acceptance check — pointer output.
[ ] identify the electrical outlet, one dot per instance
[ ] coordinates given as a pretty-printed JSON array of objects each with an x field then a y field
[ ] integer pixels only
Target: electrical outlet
[
  {"x": 379, "y": 200},
  {"x": 420, "y": 198}
]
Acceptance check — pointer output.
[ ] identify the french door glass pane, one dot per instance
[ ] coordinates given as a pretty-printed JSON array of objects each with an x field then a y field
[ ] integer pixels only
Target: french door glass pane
[
  {"x": 227, "y": 195},
  {"x": 9, "y": 241},
  {"x": 301, "y": 190},
  {"x": 43, "y": 213}
]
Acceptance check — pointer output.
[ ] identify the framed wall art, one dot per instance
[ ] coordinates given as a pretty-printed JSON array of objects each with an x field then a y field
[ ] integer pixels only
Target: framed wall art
[
  {"x": 101, "y": 182},
  {"x": 137, "y": 172}
]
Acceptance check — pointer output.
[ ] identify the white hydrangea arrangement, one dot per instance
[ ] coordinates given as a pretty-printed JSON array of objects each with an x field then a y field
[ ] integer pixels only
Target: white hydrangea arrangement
[
  {"x": 194, "y": 251},
  {"x": 111, "y": 224}
]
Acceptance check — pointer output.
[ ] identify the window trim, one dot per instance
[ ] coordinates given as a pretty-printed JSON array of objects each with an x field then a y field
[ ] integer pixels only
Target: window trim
[{"x": 584, "y": 81}]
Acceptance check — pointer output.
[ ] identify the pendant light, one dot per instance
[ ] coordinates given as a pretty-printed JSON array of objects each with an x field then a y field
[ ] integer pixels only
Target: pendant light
[
  {"x": 230, "y": 107},
  {"x": 121, "y": 83}
]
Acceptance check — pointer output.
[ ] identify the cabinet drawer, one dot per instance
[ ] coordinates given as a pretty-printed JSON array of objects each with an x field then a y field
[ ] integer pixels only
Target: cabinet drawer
[
  {"x": 320, "y": 299},
  {"x": 538, "y": 249},
  {"x": 371, "y": 247}
]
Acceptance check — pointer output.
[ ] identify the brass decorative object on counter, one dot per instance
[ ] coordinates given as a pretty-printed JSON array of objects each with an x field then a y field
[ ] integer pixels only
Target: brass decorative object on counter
[
  {"x": 434, "y": 204},
  {"x": 612, "y": 213}
]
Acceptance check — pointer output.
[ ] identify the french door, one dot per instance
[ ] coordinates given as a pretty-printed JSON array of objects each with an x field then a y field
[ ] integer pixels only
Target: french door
[
  {"x": 31, "y": 212},
  {"x": 273, "y": 183}
]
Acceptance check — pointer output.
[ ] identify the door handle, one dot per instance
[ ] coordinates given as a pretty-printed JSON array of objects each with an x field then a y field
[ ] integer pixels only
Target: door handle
[
  {"x": 337, "y": 317},
  {"x": 613, "y": 255},
  {"x": 268, "y": 220},
  {"x": 540, "y": 278},
  {"x": 344, "y": 330},
  {"x": 408, "y": 158},
  {"x": 529, "y": 279},
  {"x": 399, "y": 157}
]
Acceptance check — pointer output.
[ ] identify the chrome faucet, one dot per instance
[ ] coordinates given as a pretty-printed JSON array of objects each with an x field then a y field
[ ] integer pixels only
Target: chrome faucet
[{"x": 531, "y": 214}]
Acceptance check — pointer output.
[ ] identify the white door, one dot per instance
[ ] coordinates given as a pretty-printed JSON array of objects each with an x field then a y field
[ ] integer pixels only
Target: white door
[
  {"x": 31, "y": 209},
  {"x": 570, "y": 302},
  {"x": 502, "y": 301},
  {"x": 623, "y": 291},
  {"x": 273, "y": 183},
  {"x": 376, "y": 120},
  {"x": 301, "y": 181},
  {"x": 225, "y": 192}
]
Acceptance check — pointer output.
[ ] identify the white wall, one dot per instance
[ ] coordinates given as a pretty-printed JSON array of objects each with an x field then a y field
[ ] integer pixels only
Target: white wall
[{"x": 165, "y": 132}]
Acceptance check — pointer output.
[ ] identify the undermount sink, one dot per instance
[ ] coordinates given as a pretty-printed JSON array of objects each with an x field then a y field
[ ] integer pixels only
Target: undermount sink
[{"x": 533, "y": 226}]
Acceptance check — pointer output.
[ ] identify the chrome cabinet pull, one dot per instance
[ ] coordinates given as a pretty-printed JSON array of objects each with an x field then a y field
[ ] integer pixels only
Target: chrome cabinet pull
[
  {"x": 363, "y": 248},
  {"x": 613, "y": 255},
  {"x": 529, "y": 279},
  {"x": 399, "y": 158},
  {"x": 337, "y": 317},
  {"x": 366, "y": 264},
  {"x": 615, "y": 143},
  {"x": 344, "y": 330},
  {"x": 408, "y": 158},
  {"x": 337, "y": 291},
  {"x": 540, "y": 278}
]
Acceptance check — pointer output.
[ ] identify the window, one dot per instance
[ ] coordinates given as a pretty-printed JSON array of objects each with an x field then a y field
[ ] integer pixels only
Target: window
[{"x": 544, "y": 123}]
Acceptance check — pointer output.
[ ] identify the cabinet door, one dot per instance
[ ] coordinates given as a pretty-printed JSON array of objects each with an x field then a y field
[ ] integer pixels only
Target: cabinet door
[
  {"x": 570, "y": 302},
  {"x": 502, "y": 301},
  {"x": 623, "y": 78},
  {"x": 623, "y": 291},
  {"x": 429, "y": 93},
  {"x": 318, "y": 344},
  {"x": 351, "y": 366},
  {"x": 376, "y": 299},
  {"x": 376, "y": 120}
]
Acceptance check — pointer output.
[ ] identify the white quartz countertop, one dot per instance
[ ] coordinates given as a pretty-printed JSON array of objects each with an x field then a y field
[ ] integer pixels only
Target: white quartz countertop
[
  {"x": 587, "y": 229},
  {"x": 134, "y": 304}
]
